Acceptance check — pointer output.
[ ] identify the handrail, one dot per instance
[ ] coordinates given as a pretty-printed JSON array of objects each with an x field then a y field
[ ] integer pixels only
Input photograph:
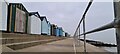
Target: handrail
[
  {"x": 114, "y": 24},
  {"x": 107, "y": 26},
  {"x": 84, "y": 15},
  {"x": 78, "y": 27}
]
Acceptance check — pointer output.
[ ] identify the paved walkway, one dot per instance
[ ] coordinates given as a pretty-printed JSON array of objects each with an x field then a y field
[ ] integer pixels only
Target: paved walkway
[{"x": 66, "y": 45}]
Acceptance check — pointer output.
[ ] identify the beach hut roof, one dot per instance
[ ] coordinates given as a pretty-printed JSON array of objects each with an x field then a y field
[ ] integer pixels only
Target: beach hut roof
[
  {"x": 43, "y": 17},
  {"x": 48, "y": 22},
  {"x": 20, "y": 6},
  {"x": 35, "y": 14}
]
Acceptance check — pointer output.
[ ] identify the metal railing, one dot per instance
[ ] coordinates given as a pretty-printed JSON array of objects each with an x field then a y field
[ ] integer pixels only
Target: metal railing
[
  {"x": 114, "y": 24},
  {"x": 77, "y": 32}
]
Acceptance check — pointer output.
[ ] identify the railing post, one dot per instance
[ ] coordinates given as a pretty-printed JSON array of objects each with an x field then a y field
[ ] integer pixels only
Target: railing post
[
  {"x": 79, "y": 35},
  {"x": 84, "y": 35},
  {"x": 117, "y": 19},
  {"x": 78, "y": 28}
]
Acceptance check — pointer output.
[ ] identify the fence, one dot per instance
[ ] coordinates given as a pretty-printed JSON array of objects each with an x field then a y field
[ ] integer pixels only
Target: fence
[{"x": 114, "y": 24}]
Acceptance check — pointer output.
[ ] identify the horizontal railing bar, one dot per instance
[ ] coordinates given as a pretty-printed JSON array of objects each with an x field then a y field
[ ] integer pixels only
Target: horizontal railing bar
[
  {"x": 108, "y": 26},
  {"x": 114, "y": 24}
]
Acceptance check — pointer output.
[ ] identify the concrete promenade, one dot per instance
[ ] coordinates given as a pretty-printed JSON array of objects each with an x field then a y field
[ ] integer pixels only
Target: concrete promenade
[{"x": 66, "y": 45}]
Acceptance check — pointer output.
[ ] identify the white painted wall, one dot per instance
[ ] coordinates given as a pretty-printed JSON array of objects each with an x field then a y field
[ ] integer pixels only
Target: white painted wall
[
  {"x": 3, "y": 15},
  {"x": 0, "y": 24},
  {"x": 64, "y": 34},
  {"x": 0, "y": 14},
  {"x": 35, "y": 25}
]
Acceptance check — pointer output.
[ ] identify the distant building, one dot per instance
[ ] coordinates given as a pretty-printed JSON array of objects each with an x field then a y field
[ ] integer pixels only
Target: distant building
[
  {"x": 34, "y": 23},
  {"x": 17, "y": 18}
]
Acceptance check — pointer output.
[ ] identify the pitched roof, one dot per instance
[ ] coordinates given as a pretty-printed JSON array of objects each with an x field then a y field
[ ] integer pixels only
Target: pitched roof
[
  {"x": 60, "y": 28},
  {"x": 35, "y": 14},
  {"x": 43, "y": 17},
  {"x": 19, "y": 5},
  {"x": 48, "y": 22}
]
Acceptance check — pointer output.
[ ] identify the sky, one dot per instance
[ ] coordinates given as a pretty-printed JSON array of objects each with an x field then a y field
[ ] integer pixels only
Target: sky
[{"x": 67, "y": 14}]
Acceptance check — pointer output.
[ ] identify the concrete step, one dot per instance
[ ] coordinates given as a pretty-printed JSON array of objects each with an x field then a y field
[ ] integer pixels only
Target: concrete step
[
  {"x": 8, "y": 38},
  {"x": 21, "y": 45},
  {"x": 19, "y": 41},
  {"x": 7, "y": 49}
]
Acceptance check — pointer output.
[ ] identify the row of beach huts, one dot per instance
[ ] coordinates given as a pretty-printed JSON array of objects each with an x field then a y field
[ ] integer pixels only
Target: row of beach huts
[{"x": 19, "y": 20}]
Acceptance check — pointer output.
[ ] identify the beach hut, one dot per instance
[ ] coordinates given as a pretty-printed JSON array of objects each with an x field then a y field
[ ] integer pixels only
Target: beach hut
[
  {"x": 63, "y": 33},
  {"x": 17, "y": 18},
  {"x": 44, "y": 25},
  {"x": 60, "y": 31},
  {"x": 53, "y": 29},
  {"x": 34, "y": 23},
  {"x": 3, "y": 15},
  {"x": 57, "y": 32},
  {"x": 66, "y": 34},
  {"x": 49, "y": 28}
]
